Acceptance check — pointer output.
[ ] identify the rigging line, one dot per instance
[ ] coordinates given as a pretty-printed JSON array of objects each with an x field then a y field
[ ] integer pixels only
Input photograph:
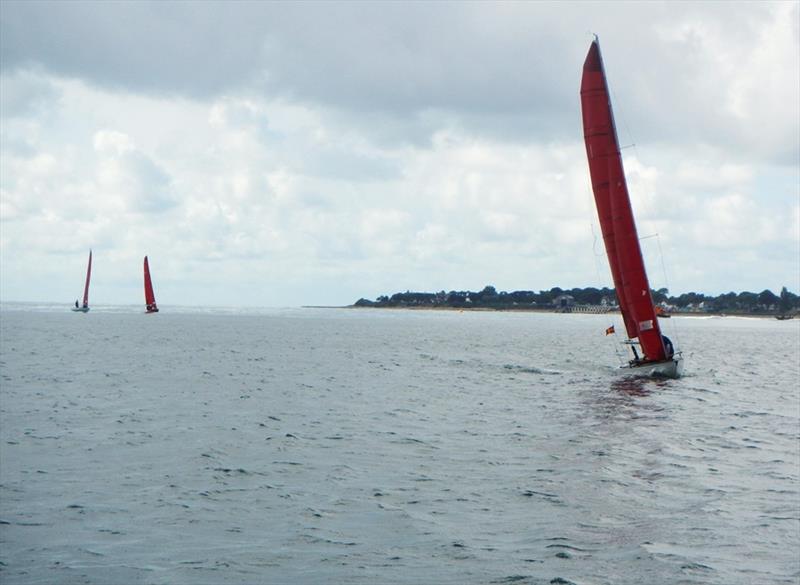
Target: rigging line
[
  {"x": 597, "y": 255},
  {"x": 673, "y": 325},
  {"x": 594, "y": 245},
  {"x": 617, "y": 346},
  {"x": 619, "y": 114},
  {"x": 620, "y": 347},
  {"x": 663, "y": 265},
  {"x": 602, "y": 280}
]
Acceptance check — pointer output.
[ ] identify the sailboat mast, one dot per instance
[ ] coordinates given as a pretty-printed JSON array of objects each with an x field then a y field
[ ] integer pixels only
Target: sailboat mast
[
  {"x": 149, "y": 296},
  {"x": 614, "y": 208},
  {"x": 88, "y": 277}
]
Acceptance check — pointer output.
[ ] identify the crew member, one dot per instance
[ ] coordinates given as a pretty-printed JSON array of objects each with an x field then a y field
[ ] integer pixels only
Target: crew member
[{"x": 668, "y": 349}]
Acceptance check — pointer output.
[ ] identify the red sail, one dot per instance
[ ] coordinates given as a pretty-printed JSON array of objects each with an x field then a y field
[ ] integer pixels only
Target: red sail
[
  {"x": 149, "y": 297},
  {"x": 614, "y": 209},
  {"x": 88, "y": 277}
]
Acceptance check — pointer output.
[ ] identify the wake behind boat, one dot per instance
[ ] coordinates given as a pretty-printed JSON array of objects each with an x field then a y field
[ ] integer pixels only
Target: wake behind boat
[
  {"x": 619, "y": 229},
  {"x": 84, "y": 308}
]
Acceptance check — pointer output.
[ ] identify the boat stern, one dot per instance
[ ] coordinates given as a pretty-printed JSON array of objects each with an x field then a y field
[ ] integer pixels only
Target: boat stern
[{"x": 671, "y": 368}]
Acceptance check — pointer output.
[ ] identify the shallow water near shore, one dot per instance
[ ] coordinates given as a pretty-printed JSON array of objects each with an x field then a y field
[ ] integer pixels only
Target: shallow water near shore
[{"x": 376, "y": 446}]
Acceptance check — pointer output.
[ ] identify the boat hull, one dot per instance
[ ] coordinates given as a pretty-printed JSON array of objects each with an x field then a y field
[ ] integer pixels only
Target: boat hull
[
  {"x": 671, "y": 368},
  {"x": 80, "y": 309}
]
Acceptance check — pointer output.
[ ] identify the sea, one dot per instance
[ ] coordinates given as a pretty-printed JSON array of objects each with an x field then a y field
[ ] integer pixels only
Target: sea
[{"x": 368, "y": 446}]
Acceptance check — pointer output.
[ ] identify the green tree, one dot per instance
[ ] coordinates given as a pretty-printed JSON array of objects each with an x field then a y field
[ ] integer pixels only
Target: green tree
[
  {"x": 786, "y": 302},
  {"x": 726, "y": 302},
  {"x": 660, "y": 296},
  {"x": 767, "y": 298},
  {"x": 747, "y": 300}
]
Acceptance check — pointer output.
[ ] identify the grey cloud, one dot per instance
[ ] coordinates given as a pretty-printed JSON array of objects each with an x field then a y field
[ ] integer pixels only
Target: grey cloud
[
  {"x": 504, "y": 69},
  {"x": 26, "y": 94},
  {"x": 139, "y": 181},
  {"x": 337, "y": 163},
  {"x": 359, "y": 55},
  {"x": 152, "y": 194},
  {"x": 195, "y": 49}
]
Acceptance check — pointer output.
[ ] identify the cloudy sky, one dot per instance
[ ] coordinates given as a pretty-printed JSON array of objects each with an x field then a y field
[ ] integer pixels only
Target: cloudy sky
[{"x": 283, "y": 154}]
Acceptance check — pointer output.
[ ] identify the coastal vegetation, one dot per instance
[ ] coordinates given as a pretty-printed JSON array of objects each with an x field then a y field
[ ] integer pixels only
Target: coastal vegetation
[{"x": 597, "y": 299}]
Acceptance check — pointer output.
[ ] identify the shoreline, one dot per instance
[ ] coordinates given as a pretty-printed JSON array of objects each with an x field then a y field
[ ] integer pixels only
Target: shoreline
[{"x": 542, "y": 310}]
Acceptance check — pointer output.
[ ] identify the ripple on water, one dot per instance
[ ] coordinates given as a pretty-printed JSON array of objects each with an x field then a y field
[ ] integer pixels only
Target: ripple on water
[{"x": 351, "y": 447}]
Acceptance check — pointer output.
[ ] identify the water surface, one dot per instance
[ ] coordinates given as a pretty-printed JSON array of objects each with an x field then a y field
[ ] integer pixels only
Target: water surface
[{"x": 379, "y": 446}]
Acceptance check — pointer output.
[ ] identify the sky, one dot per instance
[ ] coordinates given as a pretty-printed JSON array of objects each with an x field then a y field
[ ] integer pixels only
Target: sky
[{"x": 285, "y": 154}]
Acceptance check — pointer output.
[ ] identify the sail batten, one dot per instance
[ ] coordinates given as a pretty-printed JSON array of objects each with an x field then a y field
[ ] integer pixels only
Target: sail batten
[{"x": 614, "y": 209}]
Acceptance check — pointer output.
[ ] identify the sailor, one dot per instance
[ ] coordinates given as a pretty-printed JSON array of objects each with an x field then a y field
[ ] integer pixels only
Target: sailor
[
  {"x": 668, "y": 349},
  {"x": 76, "y": 303}
]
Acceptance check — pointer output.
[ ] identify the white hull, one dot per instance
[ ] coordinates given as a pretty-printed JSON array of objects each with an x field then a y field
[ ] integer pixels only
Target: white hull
[{"x": 672, "y": 368}]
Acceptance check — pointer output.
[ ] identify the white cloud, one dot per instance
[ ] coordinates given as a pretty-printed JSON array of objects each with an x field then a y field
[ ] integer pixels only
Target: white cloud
[
  {"x": 112, "y": 143},
  {"x": 740, "y": 71},
  {"x": 27, "y": 93},
  {"x": 130, "y": 177},
  {"x": 324, "y": 166}
]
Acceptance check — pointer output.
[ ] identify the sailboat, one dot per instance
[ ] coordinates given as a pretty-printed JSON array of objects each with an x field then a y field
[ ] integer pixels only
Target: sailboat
[
  {"x": 149, "y": 297},
  {"x": 619, "y": 229},
  {"x": 84, "y": 308}
]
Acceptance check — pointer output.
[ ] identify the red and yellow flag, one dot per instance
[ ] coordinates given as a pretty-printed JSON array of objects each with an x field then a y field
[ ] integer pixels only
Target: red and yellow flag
[{"x": 610, "y": 330}]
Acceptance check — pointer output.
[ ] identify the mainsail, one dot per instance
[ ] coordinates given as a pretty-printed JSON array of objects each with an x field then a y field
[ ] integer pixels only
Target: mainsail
[
  {"x": 149, "y": 297},
  {"x": 614, "y": 209}
]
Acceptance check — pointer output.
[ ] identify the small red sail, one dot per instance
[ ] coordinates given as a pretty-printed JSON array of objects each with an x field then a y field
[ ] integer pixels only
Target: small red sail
[
  {"x": 614, "y": 209},
  {"x": 149, "y": 297},
  {"x": 88, "y": 277}
]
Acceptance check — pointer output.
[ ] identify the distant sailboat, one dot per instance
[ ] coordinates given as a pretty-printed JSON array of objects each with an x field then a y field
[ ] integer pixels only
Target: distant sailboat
[
  {"x": 661, "y": 312},
  {"x": 84, "y": 308},
  {"x": 149, "y": 297},
  {"x": 618, "y": 226}
]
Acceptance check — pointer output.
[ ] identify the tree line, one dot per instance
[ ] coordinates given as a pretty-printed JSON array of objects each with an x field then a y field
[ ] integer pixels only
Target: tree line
[{"x": 744, "y": 302}]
